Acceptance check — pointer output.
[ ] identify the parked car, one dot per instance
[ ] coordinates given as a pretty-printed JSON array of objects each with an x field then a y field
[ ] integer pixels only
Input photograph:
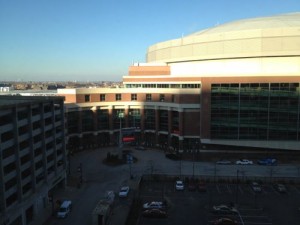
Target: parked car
[
  {"x": 124, "y": 191},
  {"x": 224, "y": 162},
  {"x": 154, "y": 205},
  {"x": 109, "y": 197},
  {"x": 179, "y": 185},
  {"x": 244, "y": 162},
  {"x": 192, "y": 185},
  {"x": 64, "y": 209},
  {"x": 224, "y": 209},
  {"x": 256, "y": 187},
  {"x": 267, "y": 162},
  {"x": 155, "y": 213},
  {"x": 140, "y": 147},
  {"x": 280, "y": 188},
  {"x": 172, "y": 156},
  {"x": 201, "y": 186},
  {"x": 225, "y": 221}
]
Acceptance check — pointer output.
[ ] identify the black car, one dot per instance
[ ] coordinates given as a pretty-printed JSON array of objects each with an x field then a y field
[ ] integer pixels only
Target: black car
[
  {"x": 172, "y": 156},
  {"x": 155, "y": 213}
]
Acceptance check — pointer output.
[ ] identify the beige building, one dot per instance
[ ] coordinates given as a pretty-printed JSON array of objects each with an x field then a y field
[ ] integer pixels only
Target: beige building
[{"x": 234, "y": 85}]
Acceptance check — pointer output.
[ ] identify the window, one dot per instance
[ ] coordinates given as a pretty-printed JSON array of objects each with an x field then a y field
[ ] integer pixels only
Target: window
[
  {"x": 102, "y": 97},
  {"x": 148, "y": 97},
  {"x": 118, "y": 97},
  {"x": 162, "y": 85},
  {"x": 87, "y": 98},
  {"x": 162, "y": 97},
  {"x": 173, "y": 98},
  {"x": 133, "y": 97}
]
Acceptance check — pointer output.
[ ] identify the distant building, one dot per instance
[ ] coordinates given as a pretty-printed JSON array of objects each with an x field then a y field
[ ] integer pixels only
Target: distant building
[
  {"x": 33, "y": 156},
  {"x": 6, "y": 89}
]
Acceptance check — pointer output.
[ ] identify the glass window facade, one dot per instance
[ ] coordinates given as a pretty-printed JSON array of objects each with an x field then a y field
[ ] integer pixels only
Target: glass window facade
[
  {"x": 255, "y": 111},
  {"x": 175, "y": 122},
  {"x": 149, "y": 119},
  {"x": 102, "y": 119},
  {"x": 134, "y": 118},
  {"x": 163, "y": 120},
  {"x": 73, "y": 122},
  {"x": 87, "y": 120}
]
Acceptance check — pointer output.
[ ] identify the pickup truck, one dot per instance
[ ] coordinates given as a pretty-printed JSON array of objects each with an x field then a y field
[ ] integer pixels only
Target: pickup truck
[{"x": 267, "y": 162}]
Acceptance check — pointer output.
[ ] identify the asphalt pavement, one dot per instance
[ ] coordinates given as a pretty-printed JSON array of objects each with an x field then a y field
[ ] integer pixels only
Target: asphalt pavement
[{"x": 99, "y": 178}]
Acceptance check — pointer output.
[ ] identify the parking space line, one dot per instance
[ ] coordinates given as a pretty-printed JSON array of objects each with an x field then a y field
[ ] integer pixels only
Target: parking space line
[{"x": 217, "y": 186}]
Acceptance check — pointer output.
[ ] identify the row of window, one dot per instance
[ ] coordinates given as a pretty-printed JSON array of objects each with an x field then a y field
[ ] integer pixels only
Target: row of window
[
  {"x": 118, "y": 97},
  {"x": 88, "y": 120},
  {"x": 255, "y": 111},
  {"x": 259, "y": 86},
  {"x": 163, "y": 85}
]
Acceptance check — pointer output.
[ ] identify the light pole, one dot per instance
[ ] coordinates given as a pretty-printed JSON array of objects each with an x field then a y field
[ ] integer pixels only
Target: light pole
[
  {"x": 79, "y": 170},
  {"x": 193, "y": 162},
  {"x": 121, "y": 115},
  {"x": 237, "y": 187}
]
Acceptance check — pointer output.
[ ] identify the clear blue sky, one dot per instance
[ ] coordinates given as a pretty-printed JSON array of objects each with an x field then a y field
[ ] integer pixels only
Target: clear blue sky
[{"x": 97, "y": 40}]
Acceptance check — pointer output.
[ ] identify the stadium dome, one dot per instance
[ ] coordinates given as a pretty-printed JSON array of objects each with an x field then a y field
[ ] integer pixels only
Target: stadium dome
[{"x": 257, "y": 37}]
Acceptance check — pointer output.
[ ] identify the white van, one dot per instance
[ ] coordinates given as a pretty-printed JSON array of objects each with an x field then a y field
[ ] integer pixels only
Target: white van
[{"x": 64, "y": 209}]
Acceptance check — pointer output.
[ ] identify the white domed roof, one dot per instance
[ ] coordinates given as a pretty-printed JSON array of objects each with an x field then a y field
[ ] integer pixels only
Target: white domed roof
[
  {"x": 257, "y": 37},
  {"x": 279, "y": 21}
]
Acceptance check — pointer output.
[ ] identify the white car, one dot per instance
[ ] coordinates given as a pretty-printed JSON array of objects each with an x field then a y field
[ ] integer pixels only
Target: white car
[
  {"x": 154, "y": 205},
  {"x": 244, "y": 162},
  {"x": 64, "y": 209},
  {"x": 179, "y": 185},
  {"x": 124, "y": 191},
  {"x": 256, "y": 187}
]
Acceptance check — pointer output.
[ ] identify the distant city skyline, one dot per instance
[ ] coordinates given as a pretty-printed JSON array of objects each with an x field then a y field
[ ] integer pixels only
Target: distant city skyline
[{"x": 98, "y": 40}]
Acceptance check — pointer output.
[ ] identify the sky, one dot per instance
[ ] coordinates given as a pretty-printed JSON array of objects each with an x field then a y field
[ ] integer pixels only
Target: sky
[{"x": 97, "y": 40}]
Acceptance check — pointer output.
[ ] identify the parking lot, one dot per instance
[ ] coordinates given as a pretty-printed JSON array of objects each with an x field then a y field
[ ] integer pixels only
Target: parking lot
[{"x": 269, "y": 207}]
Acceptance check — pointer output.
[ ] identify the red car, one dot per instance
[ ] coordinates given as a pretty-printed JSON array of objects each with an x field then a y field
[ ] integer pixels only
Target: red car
[
  {"x": 202, "y": 187},
  {"x": 225, "y": 221}
]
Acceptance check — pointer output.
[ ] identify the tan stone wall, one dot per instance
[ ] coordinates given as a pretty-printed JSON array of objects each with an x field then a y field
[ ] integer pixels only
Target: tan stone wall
[
  {"x": 149, "y": 70},
  {"x": 160, "y": 79}
]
